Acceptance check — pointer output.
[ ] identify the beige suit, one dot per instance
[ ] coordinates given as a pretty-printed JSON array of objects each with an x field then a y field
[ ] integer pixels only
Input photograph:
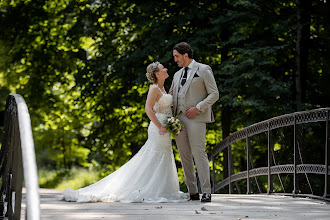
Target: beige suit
[{"x": 200, "y": 89}]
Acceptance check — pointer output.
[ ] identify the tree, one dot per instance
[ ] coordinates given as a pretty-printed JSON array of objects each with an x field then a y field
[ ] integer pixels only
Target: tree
[
  {"x": 80, "y": 66},
  {"x": 302, "y": 44}
]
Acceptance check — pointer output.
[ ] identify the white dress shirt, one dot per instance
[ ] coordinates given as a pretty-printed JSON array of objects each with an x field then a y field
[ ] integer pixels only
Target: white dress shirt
[{"x": 188, "y": 72}]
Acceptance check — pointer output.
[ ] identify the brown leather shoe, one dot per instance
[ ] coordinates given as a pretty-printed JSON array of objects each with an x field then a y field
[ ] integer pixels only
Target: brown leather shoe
[
  {"x": 194, "y": 196},
  {"x": 206, "y": 197}
]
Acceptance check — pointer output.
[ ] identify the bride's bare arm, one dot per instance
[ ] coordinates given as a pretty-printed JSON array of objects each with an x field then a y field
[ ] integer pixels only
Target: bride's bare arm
[{"x": 151, "y": 100}]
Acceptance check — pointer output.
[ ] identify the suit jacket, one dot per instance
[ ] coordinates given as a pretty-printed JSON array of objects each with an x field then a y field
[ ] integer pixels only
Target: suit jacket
[{"x": 200, "y": 88}]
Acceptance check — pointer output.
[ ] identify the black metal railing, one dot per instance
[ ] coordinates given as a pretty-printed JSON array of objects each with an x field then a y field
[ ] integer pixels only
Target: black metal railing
[
  {"x": 18, "y": 162},
  {"x": 319, "y": 115}
]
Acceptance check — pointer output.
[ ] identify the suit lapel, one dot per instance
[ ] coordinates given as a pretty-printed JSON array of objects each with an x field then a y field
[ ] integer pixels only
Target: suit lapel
[
  {"x": 179, "y": 79},
  {"x": 176, "y": 78},
  {"x": 191, "y": 76}
]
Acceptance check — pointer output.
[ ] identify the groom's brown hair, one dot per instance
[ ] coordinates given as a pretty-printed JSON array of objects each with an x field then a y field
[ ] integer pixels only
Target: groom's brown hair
[{"x": 183, "y": 48}]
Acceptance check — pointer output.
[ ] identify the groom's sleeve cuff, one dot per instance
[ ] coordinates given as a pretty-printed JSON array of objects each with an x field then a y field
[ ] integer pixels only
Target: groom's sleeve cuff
[{"x": 198, "y": 107}]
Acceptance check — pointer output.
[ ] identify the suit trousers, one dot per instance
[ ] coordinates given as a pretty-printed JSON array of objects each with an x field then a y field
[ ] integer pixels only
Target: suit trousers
[{"x": 191, "y": 146}]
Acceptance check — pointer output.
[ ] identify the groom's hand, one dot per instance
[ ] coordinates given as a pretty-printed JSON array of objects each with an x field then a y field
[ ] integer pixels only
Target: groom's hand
[{"x": 191, "y": 112}]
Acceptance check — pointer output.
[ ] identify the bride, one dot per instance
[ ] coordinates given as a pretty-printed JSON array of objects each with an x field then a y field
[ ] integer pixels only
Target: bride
[{"x": 151, "y": 175}]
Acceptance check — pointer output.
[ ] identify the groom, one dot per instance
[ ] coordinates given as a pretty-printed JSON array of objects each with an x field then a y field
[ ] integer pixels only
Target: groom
[{"x": 194, "y": 91}]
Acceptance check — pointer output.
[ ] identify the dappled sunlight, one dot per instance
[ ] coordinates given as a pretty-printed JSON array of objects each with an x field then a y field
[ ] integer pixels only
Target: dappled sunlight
[
  {"x": 80, "y": 66},
  {"x": 223, "y": 206}
]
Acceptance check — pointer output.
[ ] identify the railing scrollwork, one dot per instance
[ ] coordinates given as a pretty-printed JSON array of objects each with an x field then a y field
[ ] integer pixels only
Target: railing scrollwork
[{"x": 318, "y": 115}]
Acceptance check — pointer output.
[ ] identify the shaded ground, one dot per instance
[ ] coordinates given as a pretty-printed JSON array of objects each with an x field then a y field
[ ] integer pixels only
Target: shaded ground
[{"x": 223, "y": 206}]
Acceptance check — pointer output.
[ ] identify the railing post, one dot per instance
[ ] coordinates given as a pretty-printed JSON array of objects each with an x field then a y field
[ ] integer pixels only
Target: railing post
[
  {"x": 229, "y": 169},
  {"x": 17, "y": 178},
  {"x": 248, "y": 183},
  {"x": 295, "y": 182},
  {"x": 270, "y": 161},
  {"x": 327, "y": 152},
  {"x": 213, "y": 175}
]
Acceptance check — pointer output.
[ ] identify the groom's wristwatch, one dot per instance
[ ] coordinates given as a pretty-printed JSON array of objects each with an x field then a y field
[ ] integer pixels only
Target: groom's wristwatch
[{"x": 198, "y": 107}]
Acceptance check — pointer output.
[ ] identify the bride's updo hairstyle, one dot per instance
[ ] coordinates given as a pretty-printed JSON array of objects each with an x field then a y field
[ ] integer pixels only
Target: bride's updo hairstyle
[{"x": 151, "y": 72}]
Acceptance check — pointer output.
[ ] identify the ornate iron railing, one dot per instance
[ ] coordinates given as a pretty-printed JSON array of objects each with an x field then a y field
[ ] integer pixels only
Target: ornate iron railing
[
  {"x": 294, "y": 119},
  {"x": 17, "y": 160}
]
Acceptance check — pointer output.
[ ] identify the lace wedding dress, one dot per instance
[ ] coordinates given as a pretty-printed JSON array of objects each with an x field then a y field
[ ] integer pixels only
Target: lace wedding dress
[{"x": 150, "y": 176}]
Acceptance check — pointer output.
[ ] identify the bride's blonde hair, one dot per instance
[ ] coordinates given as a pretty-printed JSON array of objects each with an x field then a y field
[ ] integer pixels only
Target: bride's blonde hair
[{"x": 151, "y": 72}]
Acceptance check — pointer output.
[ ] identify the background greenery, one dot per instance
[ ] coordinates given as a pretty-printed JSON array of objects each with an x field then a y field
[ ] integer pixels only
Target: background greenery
[{"x": 80, "y": 66}]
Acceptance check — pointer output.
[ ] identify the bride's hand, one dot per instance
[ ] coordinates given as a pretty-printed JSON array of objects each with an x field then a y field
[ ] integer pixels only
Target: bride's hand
[{"x": 162, "y": 130}]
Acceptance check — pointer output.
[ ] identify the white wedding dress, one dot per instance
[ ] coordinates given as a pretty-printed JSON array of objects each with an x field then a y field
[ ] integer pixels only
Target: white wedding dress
[{"x": 150, "y": 176}]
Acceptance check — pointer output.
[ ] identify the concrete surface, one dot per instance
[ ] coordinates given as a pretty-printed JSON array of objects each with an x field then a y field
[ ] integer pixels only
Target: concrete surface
[{"x": 223, "y": 206}]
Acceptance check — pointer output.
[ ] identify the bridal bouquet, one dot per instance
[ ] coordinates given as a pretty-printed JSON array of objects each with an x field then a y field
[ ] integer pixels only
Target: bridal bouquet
[{"x": 173, "y": 125}]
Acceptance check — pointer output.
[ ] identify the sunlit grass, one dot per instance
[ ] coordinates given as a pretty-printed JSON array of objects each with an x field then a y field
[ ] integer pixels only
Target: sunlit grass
[
  {"x": 76, "y": 178},
  {"x": 61, "y": 179}
]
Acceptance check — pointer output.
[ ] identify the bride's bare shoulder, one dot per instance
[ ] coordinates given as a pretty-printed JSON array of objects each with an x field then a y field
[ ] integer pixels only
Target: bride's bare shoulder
[
  {"x": 153, "y": 88},
  {"x": 154, "y": 91}
]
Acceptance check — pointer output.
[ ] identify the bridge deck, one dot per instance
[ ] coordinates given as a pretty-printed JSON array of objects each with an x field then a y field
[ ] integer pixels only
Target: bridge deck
[{"x": 223, "y": 206}]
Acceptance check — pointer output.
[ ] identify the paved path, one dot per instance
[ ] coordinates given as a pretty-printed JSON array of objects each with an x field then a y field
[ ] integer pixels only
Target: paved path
[{"x": 223, "y": 206}]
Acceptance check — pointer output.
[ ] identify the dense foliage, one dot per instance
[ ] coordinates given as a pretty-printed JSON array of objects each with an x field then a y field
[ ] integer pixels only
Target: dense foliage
[{"x": 80, "y": 66}]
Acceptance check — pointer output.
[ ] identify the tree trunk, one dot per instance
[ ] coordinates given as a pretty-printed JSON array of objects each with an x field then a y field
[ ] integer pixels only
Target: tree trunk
[
  {"x": 326, "y": 68},
  {"x": 225, "y": 109},
  {"x": 302, "y": 44},
  {"x": 63, "y": 151},
  {"x": 225, "y": 124}
]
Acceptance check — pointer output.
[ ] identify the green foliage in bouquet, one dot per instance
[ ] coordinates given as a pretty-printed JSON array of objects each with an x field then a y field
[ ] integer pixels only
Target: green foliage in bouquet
[{"x": 173, "y": 125}]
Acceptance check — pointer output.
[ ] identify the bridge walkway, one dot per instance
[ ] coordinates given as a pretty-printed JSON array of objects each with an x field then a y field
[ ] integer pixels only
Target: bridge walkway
[{"x": 223, "y": 206}]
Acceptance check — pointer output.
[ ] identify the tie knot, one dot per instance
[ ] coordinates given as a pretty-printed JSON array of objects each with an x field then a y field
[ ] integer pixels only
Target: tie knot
[{"x": 186, "y": 69}]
